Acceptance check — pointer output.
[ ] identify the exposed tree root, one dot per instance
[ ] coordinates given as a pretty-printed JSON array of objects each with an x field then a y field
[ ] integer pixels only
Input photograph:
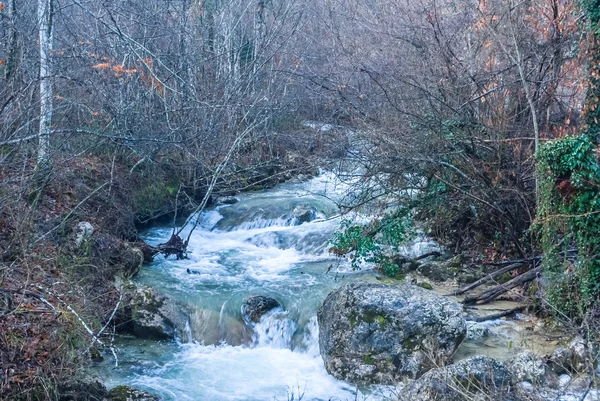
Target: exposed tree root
[{"x": 174, "y": 246}]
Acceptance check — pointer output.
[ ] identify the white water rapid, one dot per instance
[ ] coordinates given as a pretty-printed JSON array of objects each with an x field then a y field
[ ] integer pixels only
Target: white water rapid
[
  {"x": 271, "y": 243},
  {"x": 262, "y": 245}
]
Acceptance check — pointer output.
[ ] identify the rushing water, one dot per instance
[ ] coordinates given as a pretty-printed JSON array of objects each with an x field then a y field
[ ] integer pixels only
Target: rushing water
[{"x": 261, "y": 245}]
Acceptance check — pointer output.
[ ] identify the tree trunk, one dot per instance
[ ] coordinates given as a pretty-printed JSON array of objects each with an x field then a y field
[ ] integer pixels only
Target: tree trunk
[
  {"x": 45, "y": 31},
  {"x": 11, "y": 59}
]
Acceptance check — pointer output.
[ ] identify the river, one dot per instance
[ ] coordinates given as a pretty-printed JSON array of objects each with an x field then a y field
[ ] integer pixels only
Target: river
[{"x": 269, "y": 243}]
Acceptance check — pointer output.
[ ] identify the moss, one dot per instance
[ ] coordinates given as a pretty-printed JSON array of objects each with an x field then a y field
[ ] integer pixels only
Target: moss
[
  {"x": 369, "y": 360},
  {"x": 400, "y": 276},
  {"x": 427, "y": 286},
  {"x": 352, "y": 320},
  {"x": 372, "y": 318},
  {"x": 153, "y": 197},
  {"x": 505, "y": 278}
]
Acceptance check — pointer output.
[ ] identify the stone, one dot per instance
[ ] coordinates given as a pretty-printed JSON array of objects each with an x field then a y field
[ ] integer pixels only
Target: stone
[
  {"x": 227, "y": 200},
  {"x": 87, "y": 389},
  {"x": 577, "y": 357},
  {"x": 436, "y": 271},
  {"x": 528, "y": 367},
  {"x": 476, "y": 378},
  {"x": 256, "y": 306},
  {"x": 126, "y": 393},
  {"x": 379, "y": 333},
  {"x": 153, "y": 315},
  {"x": 304, "y": 214},
  {"x": 83, "y": 233}
]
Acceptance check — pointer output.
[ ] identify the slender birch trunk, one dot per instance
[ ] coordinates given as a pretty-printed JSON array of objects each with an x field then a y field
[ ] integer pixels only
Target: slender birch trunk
[{"x": 45, "y": 32}]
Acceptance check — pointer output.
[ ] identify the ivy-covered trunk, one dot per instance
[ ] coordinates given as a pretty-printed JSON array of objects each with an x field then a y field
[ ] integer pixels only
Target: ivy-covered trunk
[{"x": 569, "y": 200}]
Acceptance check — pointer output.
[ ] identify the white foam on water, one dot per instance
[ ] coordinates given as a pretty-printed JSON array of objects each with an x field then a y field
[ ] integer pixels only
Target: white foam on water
[
  {"x": 224, "y": 373},
  {"x": 274, "y": 255}
]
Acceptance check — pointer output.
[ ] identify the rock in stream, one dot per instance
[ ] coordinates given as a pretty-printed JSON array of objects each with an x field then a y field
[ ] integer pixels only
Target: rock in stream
[{"x": 378, "y": 333}]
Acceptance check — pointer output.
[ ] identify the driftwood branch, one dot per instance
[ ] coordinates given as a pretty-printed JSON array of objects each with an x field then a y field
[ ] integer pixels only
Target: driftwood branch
[
  {"x": 489, "y": 277},
  {"x": 498, "y": 315},
  {"x": 494, "y": 292}
]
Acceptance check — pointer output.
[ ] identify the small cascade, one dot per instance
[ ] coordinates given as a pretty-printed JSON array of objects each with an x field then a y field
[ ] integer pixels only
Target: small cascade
[
  {"x": 275, "y": 330},
  {"x": 311, "y": 337}
]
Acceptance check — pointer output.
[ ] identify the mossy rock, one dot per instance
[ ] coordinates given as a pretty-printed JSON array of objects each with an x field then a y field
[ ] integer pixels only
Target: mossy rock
[
  {"x": 126, "y": 393},
  {"x": 425, "y": 285}
]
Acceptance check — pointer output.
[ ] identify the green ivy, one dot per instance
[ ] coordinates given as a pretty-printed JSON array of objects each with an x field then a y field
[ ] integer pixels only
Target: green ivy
[
  {"x": 373, "y": 242},
  {"x": 569, "y": 219}
]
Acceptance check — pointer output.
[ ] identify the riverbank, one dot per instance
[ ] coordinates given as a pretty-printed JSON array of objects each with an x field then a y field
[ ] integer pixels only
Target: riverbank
[
  {"x": 255, "y": 247},
  {"x": 67, "y": 232}
]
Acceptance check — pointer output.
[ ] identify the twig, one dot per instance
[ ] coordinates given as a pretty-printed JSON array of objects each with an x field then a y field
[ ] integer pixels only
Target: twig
[{"x": 31, "y": 294}]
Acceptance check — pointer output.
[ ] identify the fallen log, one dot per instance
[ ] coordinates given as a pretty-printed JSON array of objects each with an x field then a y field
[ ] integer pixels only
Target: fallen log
[
  {"x": 498, "y": 315},
  {"x": 494, "y": 292},
  {"x": 489, "y": 277}
]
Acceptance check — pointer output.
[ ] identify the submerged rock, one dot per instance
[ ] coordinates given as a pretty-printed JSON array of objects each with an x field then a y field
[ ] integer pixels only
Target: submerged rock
[
  {"x": 227, "y": 200},
  {"x": 378, "y": 333},
  {"x": 256, "y": 306},
  {"x": 304, "y": 214},
  {"x": 126, "y": 393},
  {"x": 476, "y": 378}
]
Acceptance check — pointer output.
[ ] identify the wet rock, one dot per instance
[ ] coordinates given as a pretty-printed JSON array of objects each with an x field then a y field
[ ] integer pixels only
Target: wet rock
[
  {"x": 210, "y": 327},
  {"x": 82, "y": 390},
  {"x": 378, "y": 333},
  {"x": 477, "y": 331},
  {"x": 227, "y": 200},
  {"x": 256, "y": 306},
  {"x": 479, "y": 377},
  {"x": 83, "y": 233},
  {"x": 126, "y": 393},
  {"x": 576, "y": 358},
  {"x": 304, "y": 214},
  {"x": 528, "y": 367},
  {"x": 153, "y": 315},
  {"x": 440, "y": 271}
]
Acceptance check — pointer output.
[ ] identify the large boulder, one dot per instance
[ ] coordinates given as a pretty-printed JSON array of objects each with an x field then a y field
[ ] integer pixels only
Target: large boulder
[
  {"x": 476, "y": 378},
  {"x": 153, "y": 315},
  {"x": 256, "y": 306},
  {"x": 304, "y": 214},
  {"x": 378, "y": 333}
]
